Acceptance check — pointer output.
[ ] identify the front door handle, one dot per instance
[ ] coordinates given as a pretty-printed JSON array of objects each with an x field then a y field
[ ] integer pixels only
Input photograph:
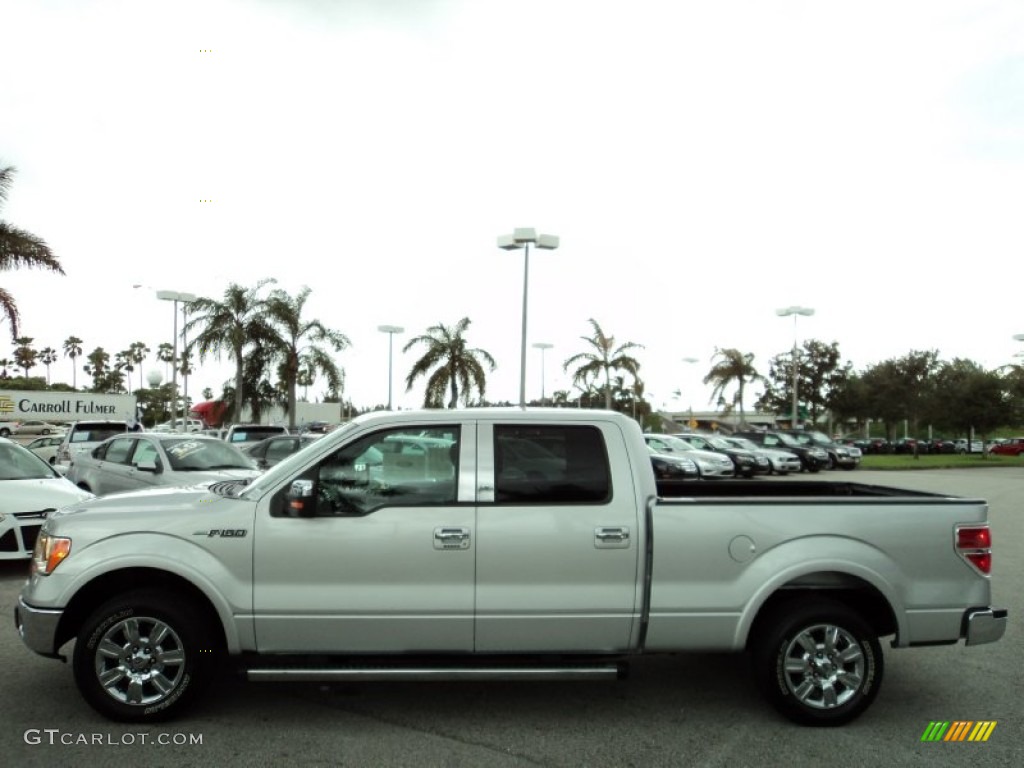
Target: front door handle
[
  {"x": 611, "y": 537},
  {"x": 451, "y": 538}
]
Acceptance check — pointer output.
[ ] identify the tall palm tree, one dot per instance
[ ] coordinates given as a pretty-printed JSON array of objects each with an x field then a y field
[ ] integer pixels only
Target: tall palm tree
[
  {"x": 73, "y": 349},
  {"x": 123, "y": 362},
  {"x": 604, "y": 359},
  {"x": 165, "y": 354},
  {"x": 732, "y": 368},
  {"x": 230, "y": 325},
  {"x": 99, "y": 360},
  {"x": 19, "y": 248},
  {"x": 297, "y": 341},
  {"x": 137, "y": 352},
  {"x": 454, "y": 365},
  {"x": 48, "y": 356}
]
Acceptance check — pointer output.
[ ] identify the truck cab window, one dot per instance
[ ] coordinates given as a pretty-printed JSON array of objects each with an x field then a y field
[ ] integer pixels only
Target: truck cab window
[
  {"x": 550, "y": 464},
  {"x": 396, "y": 467}
]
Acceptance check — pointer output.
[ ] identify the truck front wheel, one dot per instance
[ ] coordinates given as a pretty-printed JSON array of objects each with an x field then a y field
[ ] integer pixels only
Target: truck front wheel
[
  {"x": 818, "y": 662},
  {"x": 141, "y": 657}
]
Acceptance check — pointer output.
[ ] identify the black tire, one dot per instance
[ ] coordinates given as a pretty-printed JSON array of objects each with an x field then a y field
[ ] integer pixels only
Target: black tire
[
  {"x": 5, "y": 432},
  {"x": 818, "y": 662},
  {"x": 146, "y": 645},
  {"x": 832, "y": 463},
  {"x": 813, "y": 468}
]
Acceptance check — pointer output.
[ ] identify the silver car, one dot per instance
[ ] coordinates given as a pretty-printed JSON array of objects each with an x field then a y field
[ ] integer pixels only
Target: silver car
[
  {"x": 711, "y": 464},
  {"x": 134, "y": 461}
]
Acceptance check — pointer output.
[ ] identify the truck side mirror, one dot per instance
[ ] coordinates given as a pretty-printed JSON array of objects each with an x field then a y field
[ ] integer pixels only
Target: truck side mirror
[{"x": 299, "y": 499}]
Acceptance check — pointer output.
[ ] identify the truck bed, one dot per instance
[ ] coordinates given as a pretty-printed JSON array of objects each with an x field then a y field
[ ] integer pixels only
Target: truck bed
[{"x": 798, "y": 489}]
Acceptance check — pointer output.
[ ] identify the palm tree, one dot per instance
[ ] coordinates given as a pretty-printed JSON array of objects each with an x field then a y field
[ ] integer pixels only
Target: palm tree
[
  {"x": 24, "y": 355},
  {"x": 48, "y": 356},
  {"x": 165, "y": 354},
  {"x": 297, "y": 341},
  {"x": 137, "y": 352},
  {"x": 73, "y": 349},
  {"x": 454, "y": 365},
  {"x": 19, "y": 248},
  {"x": 229, "y": 325},
  {"x": 733, "y": 368},
  {"x": 605, "y": 358},
  {"x": 123, "y": 362},
  {"x": 99, "y": 359}
]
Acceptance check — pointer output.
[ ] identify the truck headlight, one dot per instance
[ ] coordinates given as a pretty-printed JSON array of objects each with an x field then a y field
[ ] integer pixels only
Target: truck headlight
[{"x": 49, "y": 552}]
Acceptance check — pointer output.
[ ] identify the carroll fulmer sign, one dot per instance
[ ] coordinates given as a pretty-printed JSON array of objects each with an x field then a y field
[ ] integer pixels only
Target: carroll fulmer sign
[{"x": 64, "y": 406}]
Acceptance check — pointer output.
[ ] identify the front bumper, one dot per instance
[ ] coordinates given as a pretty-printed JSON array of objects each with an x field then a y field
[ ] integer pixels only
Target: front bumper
[
  {"x": 983, "y": 625},
  {"x": 38, "y": 628}
]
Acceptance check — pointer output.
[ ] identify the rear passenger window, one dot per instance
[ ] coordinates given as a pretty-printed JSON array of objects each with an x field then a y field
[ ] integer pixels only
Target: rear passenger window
[{"x": 550, "y": 465}]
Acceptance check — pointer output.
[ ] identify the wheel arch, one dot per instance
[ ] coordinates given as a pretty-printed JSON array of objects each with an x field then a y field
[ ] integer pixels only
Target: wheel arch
[
  {"x": 855, "y": 592},
  {"x": 107, "y": 585}
]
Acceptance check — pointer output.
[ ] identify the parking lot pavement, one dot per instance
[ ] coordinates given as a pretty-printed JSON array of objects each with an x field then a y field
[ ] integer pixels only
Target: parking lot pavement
[{"x": 698, "y": 709}]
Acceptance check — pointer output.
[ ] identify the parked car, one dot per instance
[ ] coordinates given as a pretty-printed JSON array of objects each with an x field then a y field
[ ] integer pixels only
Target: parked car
[
  {"x": 671, "y": 471},
  {"x": 46, "y": 447},
  {"x": 1013, "y": 446},
  {"x": 839, "y": 456},
  {"x": 29, "y": 489},
  {"x": 252, "y": 433},
  {"x": 963, "y": 446},
  {"x": 747, "y": 463},
  {"x": 813, "y": 458},
  {"x": 267, "y": 452},
  {"x": 781, "y": 462},
  {"x": 180, "y": 425},
  {"x": 83, "y": 436},
  {"x": 149, "y": 459},
  {"x": 711, "y": 464},
  {"x": 30, "y": 427}
]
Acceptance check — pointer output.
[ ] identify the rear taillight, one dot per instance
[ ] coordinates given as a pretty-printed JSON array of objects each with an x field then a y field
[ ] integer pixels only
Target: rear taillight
[{"x": 974, "y": 544}]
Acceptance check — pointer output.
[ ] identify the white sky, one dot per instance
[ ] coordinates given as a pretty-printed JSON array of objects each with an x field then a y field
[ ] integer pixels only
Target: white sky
[{"x": 703, "y": 163}]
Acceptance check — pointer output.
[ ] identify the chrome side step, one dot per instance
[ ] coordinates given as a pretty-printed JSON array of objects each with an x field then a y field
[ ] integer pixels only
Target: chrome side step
[{"x": 425, "y": 673}]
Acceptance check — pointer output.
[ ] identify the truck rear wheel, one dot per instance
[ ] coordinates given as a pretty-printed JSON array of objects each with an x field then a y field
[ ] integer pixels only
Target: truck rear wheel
[
  {"x": 141, "y": 657},
  {"x": 818, "y": 662}
]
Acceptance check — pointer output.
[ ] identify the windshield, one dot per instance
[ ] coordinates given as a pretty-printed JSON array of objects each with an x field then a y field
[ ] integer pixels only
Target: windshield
[
  {"x": 789, "y": 440},
  {"x": 18, "y": 463},
  {"x": 189, "y": 455},
  {"x": 742, "y": 442},
  {"x": 719, "y": 443},
  {"x": 674, "y": 443}
]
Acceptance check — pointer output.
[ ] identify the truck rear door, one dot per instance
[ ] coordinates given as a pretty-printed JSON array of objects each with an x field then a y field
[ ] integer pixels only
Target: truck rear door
[{"x": 557, "y": 539}]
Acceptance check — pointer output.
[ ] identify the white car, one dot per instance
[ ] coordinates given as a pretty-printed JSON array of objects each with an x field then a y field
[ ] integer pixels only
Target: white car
[
  {"x": 709, "y": 463},
  {"x": 29, "y": 490},
  {"x": 46, "y": 447},
  {"x": 782, "y": 462}
]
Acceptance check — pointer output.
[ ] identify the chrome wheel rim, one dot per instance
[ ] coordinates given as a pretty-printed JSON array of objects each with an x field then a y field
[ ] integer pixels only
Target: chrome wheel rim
[
  {"x": 823, "y": 666},
  {"x": 140, "y": 661}
]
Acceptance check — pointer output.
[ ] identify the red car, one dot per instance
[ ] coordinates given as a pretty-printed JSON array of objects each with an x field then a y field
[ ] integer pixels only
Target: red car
[{"x": 1012, "y": 447}]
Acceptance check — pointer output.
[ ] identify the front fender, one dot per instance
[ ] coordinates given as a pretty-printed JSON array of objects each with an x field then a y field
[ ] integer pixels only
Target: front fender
[{"x": 223, "y": 577}]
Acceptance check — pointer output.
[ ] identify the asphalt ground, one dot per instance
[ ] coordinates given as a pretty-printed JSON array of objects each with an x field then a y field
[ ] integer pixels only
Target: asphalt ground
[{"x": 692, "y": 710}]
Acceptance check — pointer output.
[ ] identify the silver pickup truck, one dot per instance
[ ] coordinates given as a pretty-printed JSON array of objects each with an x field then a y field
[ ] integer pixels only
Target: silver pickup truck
[{"x": 500, "y": 544}]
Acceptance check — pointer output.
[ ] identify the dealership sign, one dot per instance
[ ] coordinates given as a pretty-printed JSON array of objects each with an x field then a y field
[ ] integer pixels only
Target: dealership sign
[{"x": 64, "y": 406}]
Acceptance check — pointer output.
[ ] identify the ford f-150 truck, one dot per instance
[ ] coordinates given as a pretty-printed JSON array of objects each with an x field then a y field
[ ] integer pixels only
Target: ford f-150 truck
[{"x": 500, "y": 543}]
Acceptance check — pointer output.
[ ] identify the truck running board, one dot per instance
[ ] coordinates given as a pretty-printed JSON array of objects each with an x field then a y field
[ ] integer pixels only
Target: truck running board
[{"x": 425, "y": 673}]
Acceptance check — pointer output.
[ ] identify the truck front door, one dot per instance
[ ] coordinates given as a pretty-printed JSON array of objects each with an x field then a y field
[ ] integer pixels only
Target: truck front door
[{"x": 379, "y": 555}]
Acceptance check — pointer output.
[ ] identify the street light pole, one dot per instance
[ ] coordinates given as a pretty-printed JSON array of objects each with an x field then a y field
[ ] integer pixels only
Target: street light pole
[
  {"x": 523, "y": 238},
  {"x": 175, "y": 297},
  {"x": 795, "y": 311},
  {"x": 390, "y": 330},
  {"x": 543, "y": 346},
  {"x": 689, "y": 422}
]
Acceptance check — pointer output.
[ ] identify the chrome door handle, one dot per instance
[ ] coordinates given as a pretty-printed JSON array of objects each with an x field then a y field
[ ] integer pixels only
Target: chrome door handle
[
  {"x": 451, "y": 538},
  {"x": 611, "y": 537}
]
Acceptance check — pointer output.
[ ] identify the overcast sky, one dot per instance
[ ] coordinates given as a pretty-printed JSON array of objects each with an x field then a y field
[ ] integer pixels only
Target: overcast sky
[{"x": 704, "y": 164}]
